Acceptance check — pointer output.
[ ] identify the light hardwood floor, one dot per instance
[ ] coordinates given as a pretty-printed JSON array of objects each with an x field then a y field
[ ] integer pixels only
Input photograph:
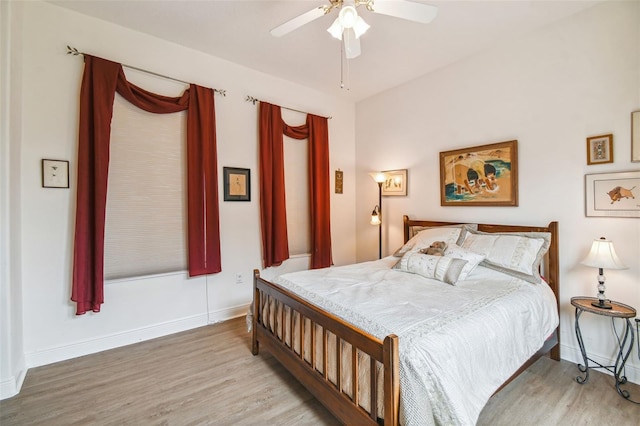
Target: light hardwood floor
[{"x": 208, "y": 376}]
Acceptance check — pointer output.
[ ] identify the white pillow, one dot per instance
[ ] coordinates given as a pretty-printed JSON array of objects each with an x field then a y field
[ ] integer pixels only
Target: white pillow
[
  {"x": 472, "y": 258},
  {"x": 413, "y": 230},
  {"x": 426, "y": 237},
  {"x": 441, "y": 268},
  {"x": 515, "y": 253}
]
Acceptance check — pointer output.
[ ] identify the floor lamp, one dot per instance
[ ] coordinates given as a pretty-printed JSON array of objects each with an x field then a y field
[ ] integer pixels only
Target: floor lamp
[{"x": 376, "y": 214}]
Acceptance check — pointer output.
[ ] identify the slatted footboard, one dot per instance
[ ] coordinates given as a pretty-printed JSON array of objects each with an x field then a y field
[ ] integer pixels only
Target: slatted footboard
[{"x": 355, "y": 375}]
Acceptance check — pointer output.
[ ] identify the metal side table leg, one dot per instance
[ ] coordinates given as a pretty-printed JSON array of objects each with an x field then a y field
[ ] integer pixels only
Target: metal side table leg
[
  {"x": 583, "y": 368},
  {"x": 623, "y": 355}
]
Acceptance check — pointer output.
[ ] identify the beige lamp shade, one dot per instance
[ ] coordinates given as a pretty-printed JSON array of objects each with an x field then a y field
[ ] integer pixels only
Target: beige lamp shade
[
  {"x": 379, "y": 177},
  {"x": 603, "y": 255}
]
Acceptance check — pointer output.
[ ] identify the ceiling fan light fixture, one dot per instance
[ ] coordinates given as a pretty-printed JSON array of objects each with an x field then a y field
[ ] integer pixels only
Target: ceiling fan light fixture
[
  {"x": 336, "y": 29},
  {"x": 348, "y": 16},
  {"x": 360, "y": 27},
  {"x": 348, "y": 19}
]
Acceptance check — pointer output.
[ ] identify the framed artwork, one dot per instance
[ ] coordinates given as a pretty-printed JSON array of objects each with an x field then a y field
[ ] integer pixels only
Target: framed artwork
[
  {"x": 485, "y": 175},
  {"x": 237, "y": 184},
  {"x": 613, "y": 194},
  {"x": 635, "y": 136},
  {"x": 600, "y": 149},
  {"x": 339, "y": 179},
  {"x": 395, "y": 182},
  {"x": 55, "y": 173}
]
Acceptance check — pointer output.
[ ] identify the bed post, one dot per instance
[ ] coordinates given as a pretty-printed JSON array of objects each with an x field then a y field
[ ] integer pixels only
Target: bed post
[
  {"x": 255, "y": 348},
  {"x": 405, "y": 221},
  {"x": 391, "y": 380},
  {"x": 554, "y": 274}
]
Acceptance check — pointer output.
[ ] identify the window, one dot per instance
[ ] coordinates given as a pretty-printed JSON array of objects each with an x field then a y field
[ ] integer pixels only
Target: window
[
  {"x": 296, "y": 177},
  {"x": 145, "y": 230}
]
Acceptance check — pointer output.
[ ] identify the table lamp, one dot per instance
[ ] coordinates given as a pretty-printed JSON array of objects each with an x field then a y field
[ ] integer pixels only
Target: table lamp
[{"x": 602, "y": 256}]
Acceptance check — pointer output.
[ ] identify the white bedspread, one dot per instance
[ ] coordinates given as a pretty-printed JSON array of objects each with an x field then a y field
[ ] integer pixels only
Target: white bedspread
[{"x": 457, "y": 344}]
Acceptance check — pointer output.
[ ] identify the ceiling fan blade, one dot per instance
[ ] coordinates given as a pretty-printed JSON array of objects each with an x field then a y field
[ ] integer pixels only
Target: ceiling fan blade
[
  {"x": 298, "y": 21},
  {"x": 351, "y": 44},
  {"x": 411, "y": 11}
]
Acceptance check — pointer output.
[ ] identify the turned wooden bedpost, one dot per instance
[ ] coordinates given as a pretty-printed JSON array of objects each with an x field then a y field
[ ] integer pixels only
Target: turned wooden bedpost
[
  {"x": 255, "y": 347},
  {"x": 405, "y": 222},
  {"x": 554, "y": 274},
  {"x": 391, "y": 380}
]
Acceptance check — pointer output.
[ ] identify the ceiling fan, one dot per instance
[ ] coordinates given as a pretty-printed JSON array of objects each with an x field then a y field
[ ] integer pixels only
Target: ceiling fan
[{"x": 349, "y": 26}]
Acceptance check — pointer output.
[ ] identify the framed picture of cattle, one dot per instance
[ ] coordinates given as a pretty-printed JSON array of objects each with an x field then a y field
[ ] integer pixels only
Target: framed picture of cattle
[
  {"x": 485, "y": 175},
  {"x": 613, "y": 194}
]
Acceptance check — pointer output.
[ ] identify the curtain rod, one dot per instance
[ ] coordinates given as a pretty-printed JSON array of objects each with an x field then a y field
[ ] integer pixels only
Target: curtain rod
[
  {"x": 254, "y": 100},
  {"x": 75, "y": 52}
]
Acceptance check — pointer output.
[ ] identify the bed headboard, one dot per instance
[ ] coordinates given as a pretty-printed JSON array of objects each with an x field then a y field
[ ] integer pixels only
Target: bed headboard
[{"x": 550, "y": 264}]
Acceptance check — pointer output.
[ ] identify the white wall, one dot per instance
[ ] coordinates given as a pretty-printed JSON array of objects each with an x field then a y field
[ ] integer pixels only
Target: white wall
[
  {"x": 144, "y": 308},
  {"x": 550, "y": 90},
  {"x": 12, "y": 360}
]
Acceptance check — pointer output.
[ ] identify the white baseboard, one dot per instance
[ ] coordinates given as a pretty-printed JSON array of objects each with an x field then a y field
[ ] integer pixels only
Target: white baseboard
[
  {"x": 103, "y": 343},
  {"x": 116, "y": 340},
  {"x": 11, "y": 386},
  {"x": 228, "y": 313},
  {"x": 572, "y": 354}
]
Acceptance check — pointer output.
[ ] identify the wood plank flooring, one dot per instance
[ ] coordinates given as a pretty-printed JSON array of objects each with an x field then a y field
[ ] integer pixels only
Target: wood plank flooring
[{"x": 208, "y": 376}]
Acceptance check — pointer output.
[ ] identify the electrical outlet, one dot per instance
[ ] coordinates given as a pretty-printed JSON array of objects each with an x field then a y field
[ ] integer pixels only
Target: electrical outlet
[{"x": 239, "y": 279}]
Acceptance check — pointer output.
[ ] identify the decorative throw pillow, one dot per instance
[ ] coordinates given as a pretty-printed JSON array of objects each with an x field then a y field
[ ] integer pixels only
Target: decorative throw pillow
[
  {"x": 441, "y": 268},
  {"x": 472, "y": 258},
  {"x": 426, "y": 237},
  {"x": 515, "y": 253}
]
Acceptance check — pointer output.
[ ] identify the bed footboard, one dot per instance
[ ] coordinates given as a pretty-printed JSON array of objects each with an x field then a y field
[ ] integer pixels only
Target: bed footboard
[{"x": 336, "y": 362}]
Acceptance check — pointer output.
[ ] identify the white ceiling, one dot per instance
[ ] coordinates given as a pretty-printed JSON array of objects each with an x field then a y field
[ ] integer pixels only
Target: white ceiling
[{"x": 394, "y": 51}]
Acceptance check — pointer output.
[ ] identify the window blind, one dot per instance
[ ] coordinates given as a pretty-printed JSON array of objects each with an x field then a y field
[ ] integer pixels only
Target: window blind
[
  {"x": 145, "y": 230},
  {"x": 296, "y": 175}
]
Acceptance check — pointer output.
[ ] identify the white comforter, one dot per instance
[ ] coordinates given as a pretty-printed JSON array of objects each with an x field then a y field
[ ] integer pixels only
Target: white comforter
[{"x": 457, "y": 344}]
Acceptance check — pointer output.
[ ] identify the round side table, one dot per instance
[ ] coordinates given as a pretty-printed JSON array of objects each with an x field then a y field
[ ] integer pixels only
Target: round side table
[{"x": 625, "y": 344}]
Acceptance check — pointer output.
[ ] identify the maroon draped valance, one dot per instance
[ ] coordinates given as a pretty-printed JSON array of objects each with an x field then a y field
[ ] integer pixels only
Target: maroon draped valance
[
  {"x": 101, "y": 79},
  {"x": 275, "y": 247}
]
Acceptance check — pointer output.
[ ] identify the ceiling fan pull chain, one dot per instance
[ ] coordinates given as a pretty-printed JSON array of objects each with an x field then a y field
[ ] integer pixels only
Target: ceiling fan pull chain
[
  {"x": 346, "y": 60},
  {"x": 344, "y": 63},
  {"x": 341, "y": 66}
]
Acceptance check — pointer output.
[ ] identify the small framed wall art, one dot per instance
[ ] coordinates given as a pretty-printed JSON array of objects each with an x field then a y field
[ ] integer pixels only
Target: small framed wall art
[
  {"x": 55, "y": 173},
  {"x": 600, "y": 149},
  {"x": 395, "y": 182},
  {"x": 339, "y": 180},
  {"x": 613, "y": 194},
  {"x": 237, "y": 184}
]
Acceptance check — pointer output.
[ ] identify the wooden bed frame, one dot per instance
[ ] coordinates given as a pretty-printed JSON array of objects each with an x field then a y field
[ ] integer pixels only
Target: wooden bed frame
[{"x": 385, "y": 352}]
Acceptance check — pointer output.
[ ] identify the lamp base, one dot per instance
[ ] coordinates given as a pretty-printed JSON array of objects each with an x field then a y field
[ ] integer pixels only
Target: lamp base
[{"x": 601, "y": 305}]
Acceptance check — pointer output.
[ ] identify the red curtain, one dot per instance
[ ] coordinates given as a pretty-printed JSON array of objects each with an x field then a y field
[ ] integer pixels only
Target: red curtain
[
  {"x": 102, "y": 78},
  {"x": 273, "y": 213},
  {"x": 275, "y": 247}
]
